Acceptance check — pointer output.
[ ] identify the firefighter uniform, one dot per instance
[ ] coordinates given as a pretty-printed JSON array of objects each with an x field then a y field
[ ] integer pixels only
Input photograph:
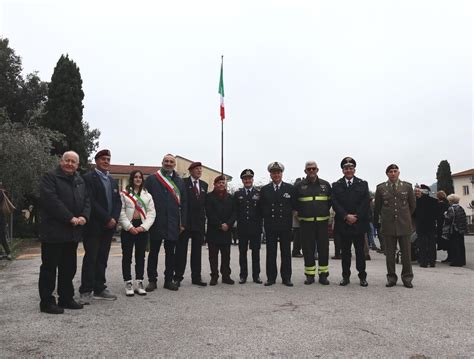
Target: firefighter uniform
[
  {"x": 313, "y": 204},
  {"x": 249, "y": 228}
]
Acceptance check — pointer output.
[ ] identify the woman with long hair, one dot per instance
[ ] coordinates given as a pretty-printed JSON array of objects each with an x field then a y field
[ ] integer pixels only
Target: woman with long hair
[{"x": 137, "y": 216}]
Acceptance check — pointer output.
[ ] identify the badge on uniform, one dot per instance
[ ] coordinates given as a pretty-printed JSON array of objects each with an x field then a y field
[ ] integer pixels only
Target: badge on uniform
[
  {"x": 323, "y": 187},
  {"x": 303, "y": 187},
  {"x": 286, "y": 195},
  {"x": 241, "y": 197},
  {"x": 255, "y": 197}
]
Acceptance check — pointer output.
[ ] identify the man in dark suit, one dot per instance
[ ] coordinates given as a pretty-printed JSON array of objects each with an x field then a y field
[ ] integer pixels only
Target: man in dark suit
[
  {"x": 169, "y": 196},
  {"x": 277, "y": 201},
  {"x": 105, "y": 212},
  {"x": 196, "y": 192},
  {"x": 350, "y": 200},
  {"x": 249, "y": 226}
]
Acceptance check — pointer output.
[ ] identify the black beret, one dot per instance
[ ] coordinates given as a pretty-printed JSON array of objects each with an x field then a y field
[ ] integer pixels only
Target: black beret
[
  {"x": 348, "y": 162},
  {"x": 391, "y": 167},
  {"x": 246, "y": 173},
  {"x": 102, "y": 153}
]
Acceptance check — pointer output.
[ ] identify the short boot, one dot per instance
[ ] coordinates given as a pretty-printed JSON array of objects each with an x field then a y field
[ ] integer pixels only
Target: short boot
[
  {"x": 309, "y": 279},
  {"x": 323, "y": 278},
  {"x": 129, "y": 289},
  {"x": 151, "y": 286}
]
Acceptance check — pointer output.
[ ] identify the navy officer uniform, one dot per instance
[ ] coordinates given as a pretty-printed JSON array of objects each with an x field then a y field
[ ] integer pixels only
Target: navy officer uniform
[
  {"x": 277, "y": 202},
  {"x": 249, "y": 226}
]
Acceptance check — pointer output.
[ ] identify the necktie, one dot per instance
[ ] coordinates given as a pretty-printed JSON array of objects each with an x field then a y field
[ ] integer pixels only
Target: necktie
[
  {"x": 196, "y": 189},
  {"x": 349, "y": 184},
  {"x": 277, "y": 187},
  {"x": 248, "y": 192}
]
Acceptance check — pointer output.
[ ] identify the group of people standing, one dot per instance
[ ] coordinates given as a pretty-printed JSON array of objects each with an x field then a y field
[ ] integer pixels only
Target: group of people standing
[{"x": 166, "y": 209}]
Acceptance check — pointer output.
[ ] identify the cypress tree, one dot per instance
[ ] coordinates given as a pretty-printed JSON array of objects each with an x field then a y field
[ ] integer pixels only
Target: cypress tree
[{"x": 443, "y": 176}]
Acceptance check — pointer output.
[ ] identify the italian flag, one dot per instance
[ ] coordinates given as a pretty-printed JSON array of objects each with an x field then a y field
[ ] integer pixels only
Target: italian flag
[{"x": 221, "y": 90}]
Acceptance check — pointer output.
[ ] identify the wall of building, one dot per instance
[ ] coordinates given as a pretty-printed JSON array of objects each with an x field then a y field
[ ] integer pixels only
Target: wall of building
[{"x": 465, "y": 199}]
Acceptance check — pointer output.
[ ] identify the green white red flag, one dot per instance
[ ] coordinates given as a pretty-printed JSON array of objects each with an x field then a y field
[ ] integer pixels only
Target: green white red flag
[{"x": 221, "y": 90}]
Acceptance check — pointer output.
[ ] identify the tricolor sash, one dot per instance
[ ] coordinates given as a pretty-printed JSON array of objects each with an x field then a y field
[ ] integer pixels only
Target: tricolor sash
[
  {"x": 170, "y": 186},
  {"x": 137, "y": 201}
]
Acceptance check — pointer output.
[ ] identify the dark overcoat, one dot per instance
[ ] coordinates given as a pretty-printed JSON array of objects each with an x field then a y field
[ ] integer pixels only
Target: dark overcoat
[
  {"x": 219, "y": 211},
  {"x": 196, "y": 214},
  {"x": 277, "y": 207}
]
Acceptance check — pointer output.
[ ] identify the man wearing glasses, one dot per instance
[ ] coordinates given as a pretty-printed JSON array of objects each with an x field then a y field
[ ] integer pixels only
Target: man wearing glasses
[{"x": 313, "y": 196}]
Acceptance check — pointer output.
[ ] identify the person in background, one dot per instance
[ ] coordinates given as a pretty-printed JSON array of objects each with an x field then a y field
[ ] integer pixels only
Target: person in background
[
  {"x": 425, "y": 219},
  {"x": 65, "y": 209},
  {"x": 220, "y": 212},
  {"x": 455, "y": 221},
  {"x": 3, "y": 223},
  {"x": 137, "y": 216},
  {"x": 442, "y": 207}
]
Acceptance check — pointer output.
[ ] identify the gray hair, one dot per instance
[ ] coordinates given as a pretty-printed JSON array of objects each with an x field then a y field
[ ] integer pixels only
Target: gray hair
[
  {"x": 73, "y": 153},
  {"x": 310, "y": 164},
  {"x": 453, "y": 199}
]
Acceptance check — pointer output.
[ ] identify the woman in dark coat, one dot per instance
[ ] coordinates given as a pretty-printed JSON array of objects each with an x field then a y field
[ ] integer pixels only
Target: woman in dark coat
[
  {"x": 220, "y": 212},
  {"x": 455, "y": 220}
]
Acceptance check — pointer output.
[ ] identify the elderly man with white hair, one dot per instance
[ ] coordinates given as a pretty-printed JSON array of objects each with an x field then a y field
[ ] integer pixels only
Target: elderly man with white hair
[
  {"x": 65, "y": 209},
  {"x": 313, "y": 196}
]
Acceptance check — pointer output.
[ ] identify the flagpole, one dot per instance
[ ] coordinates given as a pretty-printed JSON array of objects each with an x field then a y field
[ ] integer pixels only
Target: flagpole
[{"x": 222, "y": 119}]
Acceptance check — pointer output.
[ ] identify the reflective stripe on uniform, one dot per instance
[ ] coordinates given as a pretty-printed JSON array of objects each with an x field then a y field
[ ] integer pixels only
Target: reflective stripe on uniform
[
  {"x": 323, "y": 269},
  {"x": 310, "y": 270},
  {"x": 314, "y": 198},
  {"x": 313, "y": 219}
]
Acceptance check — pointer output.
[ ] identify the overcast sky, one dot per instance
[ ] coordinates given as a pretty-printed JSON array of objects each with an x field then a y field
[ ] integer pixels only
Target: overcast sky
[{"x": 381, "y": 81}]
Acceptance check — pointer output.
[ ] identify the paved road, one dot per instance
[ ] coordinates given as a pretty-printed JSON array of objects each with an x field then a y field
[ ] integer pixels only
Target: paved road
[{"x": 434, "y": 319}]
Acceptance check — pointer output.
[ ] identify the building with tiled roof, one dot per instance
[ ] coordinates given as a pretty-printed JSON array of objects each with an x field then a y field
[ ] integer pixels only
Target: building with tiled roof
[{"x": 464, "y": 187}]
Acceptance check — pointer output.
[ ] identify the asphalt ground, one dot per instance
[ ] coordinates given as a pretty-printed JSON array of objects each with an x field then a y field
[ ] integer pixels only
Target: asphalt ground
[{"x": 434, "y": 319}]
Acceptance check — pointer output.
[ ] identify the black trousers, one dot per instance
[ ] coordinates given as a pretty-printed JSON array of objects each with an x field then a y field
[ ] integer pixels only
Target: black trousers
[
  {"x": 313, "y": 233},
  {"x": 214, "y": 250},
  {"x": 457, "y": 249},
  {"x": 296, "y": 235},
  {"x": 129, "y": 241},
  {"x": 94, "y": 263},
  {"x": 63, "y": 258},
  {"x": 427, "y": 247},
  {"x": 152, "y": 265},
  {"x": 337, "y": 244},
  {"x": 273, "y": 237},
  {"x": 358, "y": 240},
  {"x": 254, "y": 244},
  {"x": 3, "y": 241},
  {"x": 197, "y": 239}
]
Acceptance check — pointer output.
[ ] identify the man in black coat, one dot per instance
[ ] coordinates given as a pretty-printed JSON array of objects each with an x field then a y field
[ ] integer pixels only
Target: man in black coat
[
  {"x": 350, "y": 200},
  {"x": 277, "y": 202},
  {"x": 249, "y": 226},
  {"x": 196, "y": 192},
  {"x": 425, "y": 219},
  {"x": 169, "y": 196},
  {"x": 105, "y": 212},
  {"x": 220, "y": 212},
  {"x": 65, "y": 209}
]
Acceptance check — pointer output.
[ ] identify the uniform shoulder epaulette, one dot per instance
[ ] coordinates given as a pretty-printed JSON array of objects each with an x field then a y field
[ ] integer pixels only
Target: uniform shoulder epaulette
[
  {"x": 406, "y": 183},
  {"x": 324, "y": 181},
  {"x": 381, "y": 184}
]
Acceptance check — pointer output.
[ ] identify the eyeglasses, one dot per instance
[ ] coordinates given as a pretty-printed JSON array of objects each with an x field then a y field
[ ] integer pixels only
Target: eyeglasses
[{"x": 311, "y": 169}]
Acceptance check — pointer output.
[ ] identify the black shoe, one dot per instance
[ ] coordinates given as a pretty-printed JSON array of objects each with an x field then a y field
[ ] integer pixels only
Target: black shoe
[
  {"x": 213, "y": 281},
  {"x": 51, "y": 309},
  {"x": 242, "y": 280},
  {"x": 367, "y": 257},
  {"x": 269, "y": 283},
  {"x": 408, "y": 285},
  {"x": 309, "y": 280},
  {"x": 423, "y": 265},
  {"x": 323, "y": 280},
  {"x": 288, "y": 283},
  {"x": 363, "y": 283},
  {"x": 432, "y": 265},
  {"x": 170, "y": 286},
  {"x": 227, "y": 281},
  {"x": 336, "y": 257},
  {"x": 151, "y": 286},
  {"x": 344, "y": 282},
  {"x": 199, "y": 282},
  {"x": 390, "y": 284},
  {"x": 72, "y": 304},
  {"x": 257, "y": 280},
  {"x": 297, "y": 255}
]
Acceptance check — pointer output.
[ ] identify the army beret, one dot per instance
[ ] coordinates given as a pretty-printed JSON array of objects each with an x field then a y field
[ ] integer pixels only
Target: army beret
[
  {"x": 219, "y": 178},
  {"x": 194, "y": 165},
  {"x": 275, "y": 166},
  {"x": 102, "y": 153},
  {"x": 246, "y": 173},
  {"x": 391, "y": 167},
  {"x": 348, "y": 162}
]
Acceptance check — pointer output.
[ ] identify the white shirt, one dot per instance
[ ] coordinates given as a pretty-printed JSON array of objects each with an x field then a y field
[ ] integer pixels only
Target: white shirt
[{"x": 195, "y": 183}]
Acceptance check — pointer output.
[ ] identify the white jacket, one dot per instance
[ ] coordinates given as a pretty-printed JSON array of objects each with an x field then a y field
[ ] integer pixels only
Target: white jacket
[{"x": 128, "y": 208}]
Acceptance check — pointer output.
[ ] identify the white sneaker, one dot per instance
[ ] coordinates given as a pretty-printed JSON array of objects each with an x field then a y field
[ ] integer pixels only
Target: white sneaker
[
  {"x": 140, "y": 288},
  {"x": 129, "y": 289}
]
